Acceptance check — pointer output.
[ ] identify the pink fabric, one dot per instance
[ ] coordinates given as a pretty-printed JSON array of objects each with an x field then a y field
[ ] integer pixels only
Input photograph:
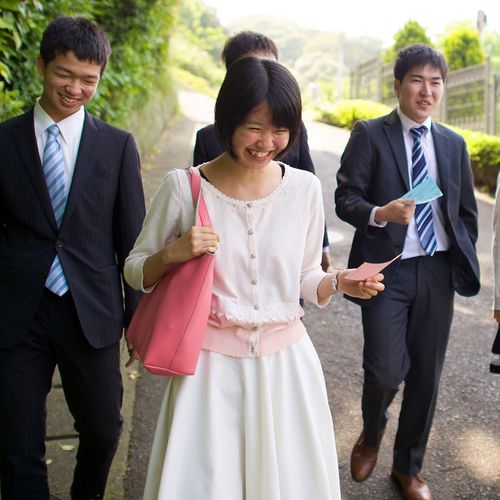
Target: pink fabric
[{"x": 240, "y": 342}]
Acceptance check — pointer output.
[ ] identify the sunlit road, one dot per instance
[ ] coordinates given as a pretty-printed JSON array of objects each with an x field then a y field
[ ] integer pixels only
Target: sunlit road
[{"x": 463, "y": 457}]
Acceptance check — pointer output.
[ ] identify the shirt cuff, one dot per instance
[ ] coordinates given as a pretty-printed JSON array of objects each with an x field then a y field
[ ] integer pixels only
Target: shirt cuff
[{"x": 372, "y": 222}]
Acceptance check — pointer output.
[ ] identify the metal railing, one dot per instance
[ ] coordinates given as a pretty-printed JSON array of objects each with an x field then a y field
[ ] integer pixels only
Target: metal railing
[{"x": 471, "y": 99}]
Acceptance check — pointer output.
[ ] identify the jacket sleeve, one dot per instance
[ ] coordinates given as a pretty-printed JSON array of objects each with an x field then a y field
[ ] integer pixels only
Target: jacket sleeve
[
  {"x": 128, "y": 216},
  {"x": 496, "y": 247},
  {"x": 354, "y": 178}
]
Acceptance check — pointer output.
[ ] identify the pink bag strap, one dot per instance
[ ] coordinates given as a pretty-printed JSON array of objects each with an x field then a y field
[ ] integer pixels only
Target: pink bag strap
[{"x": 201, "y": 213}]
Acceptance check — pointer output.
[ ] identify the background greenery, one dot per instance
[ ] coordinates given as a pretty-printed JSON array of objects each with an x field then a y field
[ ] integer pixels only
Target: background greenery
[
  {"x": 138, "y": 79},
  {"x": 160, "y": 44}
]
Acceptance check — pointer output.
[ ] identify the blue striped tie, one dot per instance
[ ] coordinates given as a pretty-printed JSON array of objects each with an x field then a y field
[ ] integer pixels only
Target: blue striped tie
[
  {"x": 423, "y": 212},
  {"x": 53, "y": 170}
]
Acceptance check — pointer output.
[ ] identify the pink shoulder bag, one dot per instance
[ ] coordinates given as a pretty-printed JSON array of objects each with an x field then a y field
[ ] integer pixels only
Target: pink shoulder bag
[{"x": 169, "y": 324}]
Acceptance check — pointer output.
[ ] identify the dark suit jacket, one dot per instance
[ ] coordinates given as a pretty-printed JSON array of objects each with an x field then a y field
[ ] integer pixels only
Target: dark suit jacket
[
  {"x": 102, "y": 219},
  {"x": 208, "y": 147},
  {"x": 374, "y": 171}
]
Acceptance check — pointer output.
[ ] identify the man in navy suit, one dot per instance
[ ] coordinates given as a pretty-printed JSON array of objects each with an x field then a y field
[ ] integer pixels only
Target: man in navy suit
[
  {"x": 77, "y": 326},
  {"x": 406, "y": 328}
]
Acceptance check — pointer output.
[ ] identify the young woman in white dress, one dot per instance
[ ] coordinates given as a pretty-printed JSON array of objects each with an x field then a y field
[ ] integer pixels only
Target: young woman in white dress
[{"x": 253, "y": 423}]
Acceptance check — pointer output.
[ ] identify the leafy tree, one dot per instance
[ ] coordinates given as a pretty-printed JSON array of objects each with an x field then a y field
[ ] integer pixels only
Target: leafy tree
[
  {"x": 463, "y": 48},
  {"x": 197, "y": 44},
  {"x": 410, "y": 33}
]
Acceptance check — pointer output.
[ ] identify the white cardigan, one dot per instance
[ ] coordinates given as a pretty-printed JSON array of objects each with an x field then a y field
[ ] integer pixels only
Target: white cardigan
[{"x": 269, "y": 255}]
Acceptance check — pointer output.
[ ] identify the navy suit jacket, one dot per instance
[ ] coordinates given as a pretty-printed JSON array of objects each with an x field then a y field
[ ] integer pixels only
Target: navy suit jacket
[
  {"x": 102, "y": 219},
  {"x": 374, "y": 171}
]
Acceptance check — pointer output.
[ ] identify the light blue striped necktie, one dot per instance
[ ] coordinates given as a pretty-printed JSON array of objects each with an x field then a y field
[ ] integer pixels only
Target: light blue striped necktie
[
  {"x": 423, "y": 212},
  {"x": 53, "y": 170}
]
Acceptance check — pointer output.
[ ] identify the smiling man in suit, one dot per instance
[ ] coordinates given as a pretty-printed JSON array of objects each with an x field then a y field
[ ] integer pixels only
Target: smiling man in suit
[
  {"x": 71, "y": 207},
  {"x": 406, "y": 328}
]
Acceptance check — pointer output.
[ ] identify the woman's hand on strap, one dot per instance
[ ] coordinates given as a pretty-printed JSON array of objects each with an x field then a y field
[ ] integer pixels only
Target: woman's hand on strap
[{"x": 193, "y": 243}]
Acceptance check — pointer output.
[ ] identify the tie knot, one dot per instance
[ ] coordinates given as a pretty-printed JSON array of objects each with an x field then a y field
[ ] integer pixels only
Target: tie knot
[
  {"x": 418, "y": 132},
  {"x": 53, "y": 130}
]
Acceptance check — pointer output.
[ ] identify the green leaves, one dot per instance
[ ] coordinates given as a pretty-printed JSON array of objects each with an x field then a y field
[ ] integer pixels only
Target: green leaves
[{"x": 139, "y": 31}]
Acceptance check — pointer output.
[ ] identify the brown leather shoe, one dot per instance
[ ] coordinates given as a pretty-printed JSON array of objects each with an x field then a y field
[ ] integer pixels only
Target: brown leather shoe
[
  {"x": 412, "y": 487},
  {"x": 364, "y": 458}
]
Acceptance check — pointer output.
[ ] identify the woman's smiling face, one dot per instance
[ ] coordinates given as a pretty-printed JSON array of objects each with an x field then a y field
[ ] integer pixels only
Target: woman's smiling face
[{"x": 257, "y": 140}]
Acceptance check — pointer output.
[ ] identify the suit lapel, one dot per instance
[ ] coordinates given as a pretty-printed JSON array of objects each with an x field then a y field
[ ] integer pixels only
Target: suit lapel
[
  {"x": 394, "y": 134},
  {"x": 90, "y": 144},
  {"x": 24, "y": 137},
  {"x": 442, "y": 148}
]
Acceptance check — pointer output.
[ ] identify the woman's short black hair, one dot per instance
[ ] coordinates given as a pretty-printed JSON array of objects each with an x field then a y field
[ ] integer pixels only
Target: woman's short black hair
[
  {"x": 252, "y": 81},
  {"x": 246, "y": 43},
  {"x": 78, "y": 35},
  {"x": 416, "y": 56}
]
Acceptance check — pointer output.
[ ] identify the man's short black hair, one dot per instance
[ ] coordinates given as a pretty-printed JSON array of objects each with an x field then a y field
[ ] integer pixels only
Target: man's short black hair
[
  {"x": 78, "y": 35},
  {"x": 247, "y": 43},
  {"x": 416, "y": 56},
  {"x": 249, "y": 82}
]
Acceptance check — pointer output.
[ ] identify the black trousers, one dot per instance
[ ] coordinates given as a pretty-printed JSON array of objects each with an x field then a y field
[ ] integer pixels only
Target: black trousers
[
  {"x": 405, "y": 338},
  {"x": 93, "y": 389}
]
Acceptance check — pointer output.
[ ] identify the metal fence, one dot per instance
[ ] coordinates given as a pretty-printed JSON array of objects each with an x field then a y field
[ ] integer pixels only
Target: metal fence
[{"x": 471, "y": 99}]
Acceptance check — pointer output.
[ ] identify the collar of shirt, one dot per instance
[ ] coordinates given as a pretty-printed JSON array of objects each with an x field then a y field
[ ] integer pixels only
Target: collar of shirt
[
  {"x": 408, "y": 123},
  {"x": 412, "y": 247},
  {"x": 71, "y": 127}
]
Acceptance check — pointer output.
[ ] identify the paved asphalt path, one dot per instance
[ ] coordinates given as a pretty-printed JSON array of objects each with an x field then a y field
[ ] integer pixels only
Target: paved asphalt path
[{"x": 463, "y": 457}]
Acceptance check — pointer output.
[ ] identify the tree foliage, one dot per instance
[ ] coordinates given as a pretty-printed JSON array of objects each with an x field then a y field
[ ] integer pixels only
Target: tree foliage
[
  {"x": 196, "y": 47},
  {"x": 411, "y": 32},
  {"x": 139, "y": 32},
  {"x": 463, "y": 48},
  {"x": 491, "y": 42}
]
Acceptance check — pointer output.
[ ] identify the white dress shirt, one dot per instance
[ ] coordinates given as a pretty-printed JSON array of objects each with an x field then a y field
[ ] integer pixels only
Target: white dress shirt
[
  {"x": 71, "y": 132},
  {"x": 412, "y": 245}
]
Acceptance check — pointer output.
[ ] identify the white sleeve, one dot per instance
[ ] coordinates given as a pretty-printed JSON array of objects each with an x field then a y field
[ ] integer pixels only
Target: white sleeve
[
  {"x": 162, "y": 224},
  {"x": 311, "y": 273}
]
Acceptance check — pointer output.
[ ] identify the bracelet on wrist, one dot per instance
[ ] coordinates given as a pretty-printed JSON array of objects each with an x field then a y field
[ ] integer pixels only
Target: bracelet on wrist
[{"x": 335, "y": 279}]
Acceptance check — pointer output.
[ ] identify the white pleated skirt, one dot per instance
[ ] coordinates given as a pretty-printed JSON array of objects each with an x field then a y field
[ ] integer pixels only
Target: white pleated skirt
[{"x": 246, "y": 429}]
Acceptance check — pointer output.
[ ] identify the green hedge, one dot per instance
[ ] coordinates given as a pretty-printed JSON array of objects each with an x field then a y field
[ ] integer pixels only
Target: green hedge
[
  {"x": 484, "y": 149},
  {"x": 346, "y": 113}
]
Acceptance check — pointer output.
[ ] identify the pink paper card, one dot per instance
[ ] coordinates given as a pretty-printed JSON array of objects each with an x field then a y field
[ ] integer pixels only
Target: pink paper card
[{"x": 368, "y": 269}]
